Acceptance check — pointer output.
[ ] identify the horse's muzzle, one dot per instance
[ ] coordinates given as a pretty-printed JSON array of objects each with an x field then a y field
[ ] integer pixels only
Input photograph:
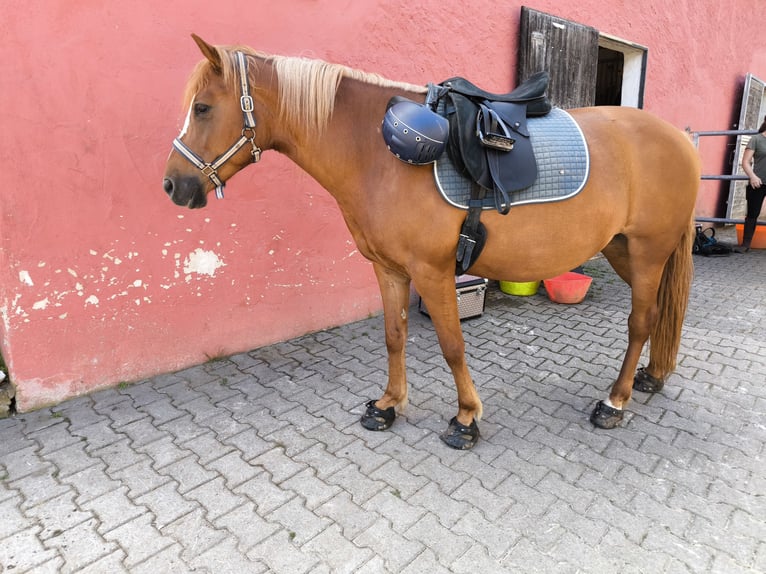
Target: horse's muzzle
[{"x": 185, "y": 191}]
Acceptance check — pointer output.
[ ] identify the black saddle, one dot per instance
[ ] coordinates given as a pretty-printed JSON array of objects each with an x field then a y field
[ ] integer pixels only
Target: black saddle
[
  {"x": 530, "y": 92},
  {"x": 489, "y": 144},
  {"x": 488, "y": 135}
]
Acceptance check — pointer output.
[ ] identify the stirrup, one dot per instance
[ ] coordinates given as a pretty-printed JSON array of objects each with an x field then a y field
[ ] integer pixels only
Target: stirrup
[{"x": 377, "y": 419}]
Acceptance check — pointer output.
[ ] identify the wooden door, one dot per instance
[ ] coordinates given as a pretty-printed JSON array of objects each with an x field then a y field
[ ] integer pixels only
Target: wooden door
[{"x": 567, "y": 50}]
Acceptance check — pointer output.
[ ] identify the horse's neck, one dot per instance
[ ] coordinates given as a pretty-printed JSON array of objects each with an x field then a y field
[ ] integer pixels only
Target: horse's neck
[{"x": 352, "y": 142}]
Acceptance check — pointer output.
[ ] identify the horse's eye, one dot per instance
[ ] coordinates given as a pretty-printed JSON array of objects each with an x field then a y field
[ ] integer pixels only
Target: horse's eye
[{"x": 201, "y": 109}]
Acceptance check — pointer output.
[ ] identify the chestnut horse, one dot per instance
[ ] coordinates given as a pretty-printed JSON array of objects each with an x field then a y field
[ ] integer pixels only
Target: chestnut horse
[{"x": 636, "y": 208}]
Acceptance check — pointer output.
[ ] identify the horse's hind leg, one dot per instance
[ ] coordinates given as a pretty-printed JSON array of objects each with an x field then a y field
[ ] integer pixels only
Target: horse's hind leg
[
  {"x": 644, "y": 280},
  {"x": 395, "y": 290}
]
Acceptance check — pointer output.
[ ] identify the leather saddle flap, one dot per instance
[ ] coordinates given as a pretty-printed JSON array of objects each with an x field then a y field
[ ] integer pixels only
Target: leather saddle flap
[
  {"x": 489, "y": 167},
  {"x": 515, "y": 169}
]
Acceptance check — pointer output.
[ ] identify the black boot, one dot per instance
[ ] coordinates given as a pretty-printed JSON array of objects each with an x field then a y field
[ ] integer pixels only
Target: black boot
[{"x": 747, "y": 234}]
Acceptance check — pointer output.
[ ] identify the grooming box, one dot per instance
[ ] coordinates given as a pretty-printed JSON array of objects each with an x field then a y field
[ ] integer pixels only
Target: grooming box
[{"x": 470, "y": 292}]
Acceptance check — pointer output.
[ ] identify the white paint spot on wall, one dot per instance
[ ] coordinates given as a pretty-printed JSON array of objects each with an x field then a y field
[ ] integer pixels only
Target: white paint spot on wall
[
  {"x": 92, "y": 300},
  {"x": 42, "y": 304},
  {"x": 25, "y": 278},
  {"x": 202, "y": 262}
]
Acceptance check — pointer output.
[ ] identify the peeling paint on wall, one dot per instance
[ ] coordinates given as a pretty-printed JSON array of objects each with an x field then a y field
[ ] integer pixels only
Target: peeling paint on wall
[{"x": 202, "y": 262}]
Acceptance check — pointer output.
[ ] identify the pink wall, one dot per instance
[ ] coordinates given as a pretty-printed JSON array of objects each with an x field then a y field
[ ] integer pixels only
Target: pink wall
[{"x": 103, "y": 279}]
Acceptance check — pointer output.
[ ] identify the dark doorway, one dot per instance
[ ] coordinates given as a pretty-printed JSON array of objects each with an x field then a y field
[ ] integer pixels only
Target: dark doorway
[{"x": 609, "y": 77}]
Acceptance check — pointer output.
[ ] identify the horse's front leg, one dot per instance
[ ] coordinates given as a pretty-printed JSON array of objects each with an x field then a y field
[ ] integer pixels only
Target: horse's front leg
[
  {"x": 441, "y": 300},
  {"x": 395, "y": 290}
]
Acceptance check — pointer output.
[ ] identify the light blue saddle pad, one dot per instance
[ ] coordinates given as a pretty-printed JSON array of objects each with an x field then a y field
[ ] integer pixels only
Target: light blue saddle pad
[{"x": 562, "y": 165}]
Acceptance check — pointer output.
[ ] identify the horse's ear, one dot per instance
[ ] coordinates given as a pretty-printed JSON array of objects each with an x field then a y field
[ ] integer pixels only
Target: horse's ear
[{"x": 209, "y": 52}]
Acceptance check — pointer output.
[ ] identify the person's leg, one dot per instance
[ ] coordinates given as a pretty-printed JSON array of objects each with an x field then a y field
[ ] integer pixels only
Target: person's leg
[{"x": 754, "y": 204}]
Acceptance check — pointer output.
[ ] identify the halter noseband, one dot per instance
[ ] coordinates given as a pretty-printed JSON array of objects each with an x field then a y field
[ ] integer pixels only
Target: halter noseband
[{"x": 210, "y": 170}]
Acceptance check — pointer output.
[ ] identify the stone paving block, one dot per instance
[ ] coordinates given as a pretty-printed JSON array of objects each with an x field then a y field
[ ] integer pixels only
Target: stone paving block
[
  {"x": 693, "y": 557},
  {"x": 161, "y": 410},
  {"x": 52, "y": 438},
  {"x": 97, "y": 436},
  {"x": 194, "y": 534},
  {"x": 395, "y": 550},
  {"x": 264, "y": 493},
  {"x": 233, "y": 469},
  {"x": 448, "y": 544},
  {"x": 434, "y": 470},
  {"x": 113, "y": 509},
  {"x": 188, "y": 473},
  {"x": 280, "y": 554},
  {"x": 182, "y": 429},
  {"x": 12, "y": 516},
  {"x": 139, "y": 478},
  {"x": 111, "y": 563},
  {"x": 319, "y": 460},
  {"x": 165, "y": 504},
  {"x": 349, "y": 516},
  {"x": 24, "y": 462},
  {"x": 142, "y": 431},
  {"x": 490, "y": 504},
  {"x": 22, "y": 551},
  {"x": 90, "y": 483},
  {"x": 313, "y": 490},
  {"x": 80, "y": 545},
  {"x": 246, "y": 526},
  {"x": 249, "y": 443},
  {"x": 300, "y": 523},
  {"x": 740, "y": 546},
  {"x": 72, "y": 459},
  {"x": 161, "y": 452},
  {"x": 207, "y": 448},
  {"x": 56, "y": 516},
  {"x": 476, "y": 559},
  {"x": 140, "y": 540},
  {"x": 339, "y": 554},
  {"x": 40, "y": 487},
  {"x": 225, "y": 558},
  {"x": 215, "y": 498},
  {"x": 276, "y": 462},
  {"x": 389, "y": 504},
  {"x": 356, "y": 483},
  {"x": 116, "y": 456}
]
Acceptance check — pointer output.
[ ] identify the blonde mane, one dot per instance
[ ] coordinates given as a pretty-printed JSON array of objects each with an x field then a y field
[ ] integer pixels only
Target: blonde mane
[{"x": 307, "y": 87}]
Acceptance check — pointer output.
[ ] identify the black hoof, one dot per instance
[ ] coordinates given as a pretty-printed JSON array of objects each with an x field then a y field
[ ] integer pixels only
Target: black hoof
[
  {"x": 377, "y": 419},
  {"x": 646, "y": 383},
  {"x": 605, "y": 417},
  {"x": 459, "y": 436}
]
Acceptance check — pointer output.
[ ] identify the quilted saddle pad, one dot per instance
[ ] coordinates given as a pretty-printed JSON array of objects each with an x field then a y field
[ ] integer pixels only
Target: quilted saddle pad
[{"x": 562, "y": 164}]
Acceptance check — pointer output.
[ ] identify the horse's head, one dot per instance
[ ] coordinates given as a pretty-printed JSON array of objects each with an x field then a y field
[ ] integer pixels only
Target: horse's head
[{"x": 218, "y": 137}]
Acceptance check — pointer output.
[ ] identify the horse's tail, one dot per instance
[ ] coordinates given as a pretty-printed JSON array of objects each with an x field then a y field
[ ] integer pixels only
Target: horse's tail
[{"x": 672, "y": 300}]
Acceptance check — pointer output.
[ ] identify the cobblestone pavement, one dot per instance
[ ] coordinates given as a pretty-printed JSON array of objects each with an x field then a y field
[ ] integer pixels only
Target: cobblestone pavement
[{"x": 256, "y": 462}]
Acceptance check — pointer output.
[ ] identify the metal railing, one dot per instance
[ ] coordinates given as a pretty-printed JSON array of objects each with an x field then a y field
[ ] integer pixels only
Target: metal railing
[{"x": 696, "y": 140}]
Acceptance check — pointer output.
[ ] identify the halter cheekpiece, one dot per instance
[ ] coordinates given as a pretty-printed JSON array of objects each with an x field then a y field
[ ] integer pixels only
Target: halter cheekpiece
[{"x": 210, "y": 170}]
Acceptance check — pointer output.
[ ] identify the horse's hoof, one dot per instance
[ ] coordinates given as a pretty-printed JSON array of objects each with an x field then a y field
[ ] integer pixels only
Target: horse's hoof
[
  {"x": 459, "y": 436},
  {"x": 646, "y": 383},
  {"x": 377, "y": 419},
  {"x": 606, "y": 417}
]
